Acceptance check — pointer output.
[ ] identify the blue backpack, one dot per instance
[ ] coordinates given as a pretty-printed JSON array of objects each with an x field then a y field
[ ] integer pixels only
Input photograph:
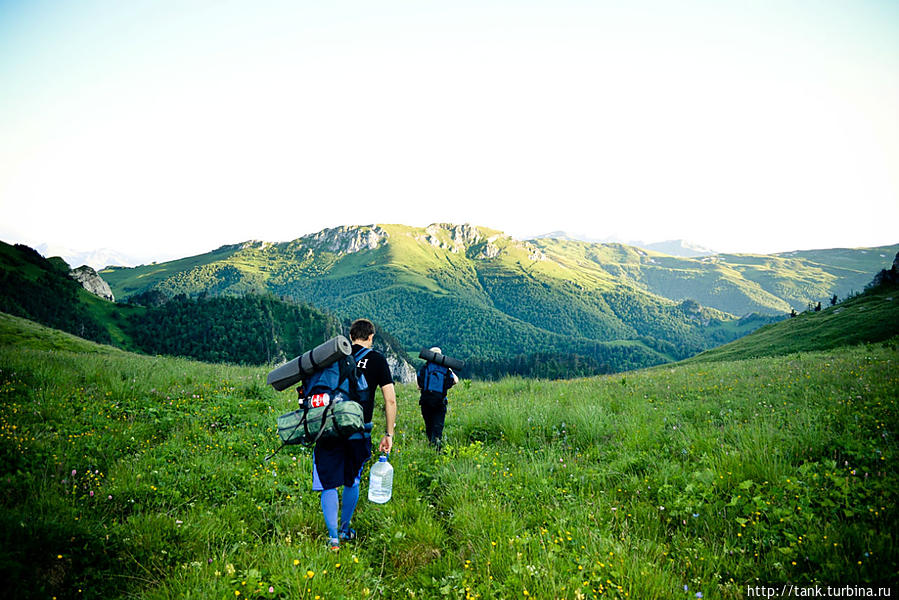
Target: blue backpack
[
  {"x": 435, "y": 378},
  {"x": 338, "y": 377}
]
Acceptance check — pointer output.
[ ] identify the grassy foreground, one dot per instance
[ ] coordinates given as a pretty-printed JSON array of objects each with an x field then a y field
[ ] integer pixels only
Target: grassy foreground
[{"x": 132, "y": 476}]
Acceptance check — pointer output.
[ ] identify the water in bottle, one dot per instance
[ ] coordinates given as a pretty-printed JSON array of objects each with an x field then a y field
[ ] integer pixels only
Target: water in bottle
[{"x": 380, "y": 483}]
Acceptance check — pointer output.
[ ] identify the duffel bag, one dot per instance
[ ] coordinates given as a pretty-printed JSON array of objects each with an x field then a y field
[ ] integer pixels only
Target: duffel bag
[{"x": 337, "y": 420}]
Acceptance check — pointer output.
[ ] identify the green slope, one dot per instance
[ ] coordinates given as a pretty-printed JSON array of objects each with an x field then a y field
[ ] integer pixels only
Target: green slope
[
  {"x": 872, "y": 316},
  {"x": 128, "y": 281},
  {"x": 18, "y": 332}
]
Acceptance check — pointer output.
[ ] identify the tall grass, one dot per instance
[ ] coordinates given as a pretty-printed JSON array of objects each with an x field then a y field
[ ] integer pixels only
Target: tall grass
[{"x": 129, "y": 476}]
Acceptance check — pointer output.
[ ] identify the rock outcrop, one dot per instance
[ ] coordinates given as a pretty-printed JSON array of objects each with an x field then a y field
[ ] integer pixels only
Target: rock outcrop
[
  {"x": 402, "y": 371},
  {"x": 455, "y": 238},
  {"x": 349, "y": 239},
  {"x": 92, "y": 282},
  {"x": 473, "y": 241}
]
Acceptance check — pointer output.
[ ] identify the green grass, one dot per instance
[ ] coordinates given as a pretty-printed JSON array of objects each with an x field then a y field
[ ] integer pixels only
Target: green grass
[
  {"x": 17, "y": 333},
  {"x": 141, "y": 477},
  {"x": 869, "y": 317}
]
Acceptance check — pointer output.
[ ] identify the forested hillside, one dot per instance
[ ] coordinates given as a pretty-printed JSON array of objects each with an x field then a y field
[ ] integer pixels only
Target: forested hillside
[
  {"x": 251, "y": 329},
  {"x": 36, "y": 288},
  {"x": 248, "y": 329},
  {"x": 244, "y": 330}
]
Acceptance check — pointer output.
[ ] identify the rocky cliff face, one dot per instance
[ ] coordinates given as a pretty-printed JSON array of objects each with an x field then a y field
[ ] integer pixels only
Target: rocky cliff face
[
  {"x": 92, "y": 282},
  {"x": 466, "y": 239},
  {"x": 455, "y": 238},
  {"x": 402, "y": 371},
  {"x": 349, "y": 239}
]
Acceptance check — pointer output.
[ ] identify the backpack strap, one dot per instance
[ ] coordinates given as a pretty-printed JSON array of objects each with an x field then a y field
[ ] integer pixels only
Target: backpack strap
[
  {"x": 347, "y": 371},
  {"x": 272, "y": 455},
  {"x": 367, "y": 389}
]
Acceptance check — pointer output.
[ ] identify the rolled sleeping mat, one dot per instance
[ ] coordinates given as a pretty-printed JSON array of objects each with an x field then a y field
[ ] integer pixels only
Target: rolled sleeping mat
[
  {"x": 304, "y": 365},
  {"x": 440, "y": 359}
]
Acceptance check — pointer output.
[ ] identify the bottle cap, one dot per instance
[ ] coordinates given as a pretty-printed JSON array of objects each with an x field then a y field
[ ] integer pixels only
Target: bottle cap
[{"x": 382, "y": 459}]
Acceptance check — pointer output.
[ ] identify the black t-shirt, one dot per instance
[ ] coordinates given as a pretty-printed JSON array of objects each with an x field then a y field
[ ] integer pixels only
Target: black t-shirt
[{"x": 377, "y": 374}]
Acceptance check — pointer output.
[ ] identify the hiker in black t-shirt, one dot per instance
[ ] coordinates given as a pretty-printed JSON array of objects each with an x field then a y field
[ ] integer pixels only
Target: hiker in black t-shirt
[
  {"x": 339, "y": 462},
  {"x": 434, "y": 381}
]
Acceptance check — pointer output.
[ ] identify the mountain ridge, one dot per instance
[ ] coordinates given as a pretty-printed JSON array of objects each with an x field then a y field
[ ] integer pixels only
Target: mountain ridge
[
  {"x": 480, "y": 293},
  {"x": 97, "y": 259},
  {"x": 520, "y": 305}
]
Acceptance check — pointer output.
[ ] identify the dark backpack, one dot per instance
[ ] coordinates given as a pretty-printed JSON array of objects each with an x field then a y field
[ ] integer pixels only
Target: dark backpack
[
  {"x": 435, "y": 379},
  {"x": 339, "y": 419}
]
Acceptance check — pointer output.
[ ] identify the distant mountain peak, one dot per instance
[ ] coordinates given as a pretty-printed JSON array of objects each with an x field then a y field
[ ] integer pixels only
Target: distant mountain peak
[
  {"x": 576, "y": 237},
  {"x": 678, "y": 247},
  {"x": 96, "y": 259}
]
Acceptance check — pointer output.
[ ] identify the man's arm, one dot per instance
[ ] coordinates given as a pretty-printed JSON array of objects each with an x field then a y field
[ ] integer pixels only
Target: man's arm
[{"x": 389, "y": 393}]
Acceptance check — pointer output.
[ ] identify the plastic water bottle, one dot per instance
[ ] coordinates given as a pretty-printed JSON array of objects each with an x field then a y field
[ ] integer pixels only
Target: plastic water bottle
[{"x": 380, "y": 482}]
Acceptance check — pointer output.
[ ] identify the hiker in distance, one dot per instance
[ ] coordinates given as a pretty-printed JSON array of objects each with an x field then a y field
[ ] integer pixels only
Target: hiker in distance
[
  {"x": 434, "y": 381},
  {"x": 339, "y": 462}
]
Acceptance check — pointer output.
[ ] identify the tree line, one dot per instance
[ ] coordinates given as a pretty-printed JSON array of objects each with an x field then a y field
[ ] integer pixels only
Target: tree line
[{"x": 542, "y": 365}]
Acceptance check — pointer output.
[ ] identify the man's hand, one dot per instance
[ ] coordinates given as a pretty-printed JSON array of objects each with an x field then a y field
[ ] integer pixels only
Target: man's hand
[{"x": 386, "y": 444}]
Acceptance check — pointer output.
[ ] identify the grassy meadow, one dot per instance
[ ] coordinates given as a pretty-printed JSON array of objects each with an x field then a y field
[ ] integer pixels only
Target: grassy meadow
[
  {"x": 869, "y": 317},
  {"x": 130, "y": 476}
]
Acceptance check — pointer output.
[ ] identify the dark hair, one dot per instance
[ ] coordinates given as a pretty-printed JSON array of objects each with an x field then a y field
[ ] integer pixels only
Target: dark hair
[{"x": 361, "y": 329}]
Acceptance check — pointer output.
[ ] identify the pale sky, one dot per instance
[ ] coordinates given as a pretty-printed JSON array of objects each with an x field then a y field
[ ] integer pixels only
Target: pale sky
[{"x": 167, "y": 128}]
